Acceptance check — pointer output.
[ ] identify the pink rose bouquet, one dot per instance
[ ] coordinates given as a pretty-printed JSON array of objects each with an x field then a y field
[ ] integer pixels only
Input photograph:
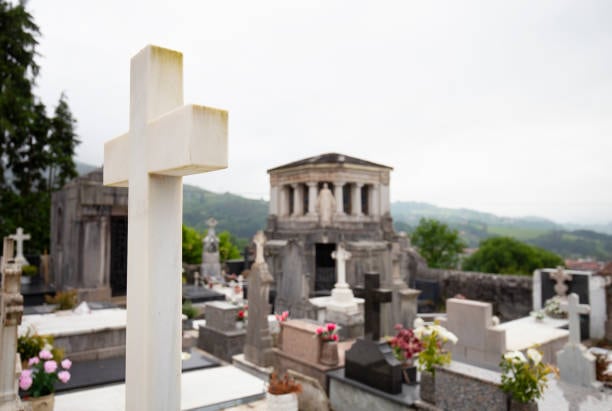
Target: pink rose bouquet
[
  {"x": 38, "y": 380},
  {"x": 327, "y": 333}
]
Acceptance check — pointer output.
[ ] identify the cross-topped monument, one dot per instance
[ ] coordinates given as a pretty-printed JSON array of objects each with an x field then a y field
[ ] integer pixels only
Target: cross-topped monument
[
  {"x": 573, "y": 314},
  {"x": 342, "y": 298},
  {"x": 374, "y": 296},
  {"x": 19, "y": 238},
  {"x": 166, "y": 141},
  {"x": 560, "y": 276}
]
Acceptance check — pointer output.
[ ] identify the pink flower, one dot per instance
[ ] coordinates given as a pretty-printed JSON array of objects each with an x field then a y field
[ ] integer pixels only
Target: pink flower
[
  {"x": 45, "y": 355},
  {"x": 66, "y": 364},
  {"x": 64, "y": 376},
  {"x": 25, "y": 382},
  {"x": 331, "y": 326},
  {"x": 335, "y": 337},
  {"x": 26, "y": 373},
  {"x": 50, "y": 366},
  {"x": 33, "y": 361},
  {"x": 319, "y": 331}
]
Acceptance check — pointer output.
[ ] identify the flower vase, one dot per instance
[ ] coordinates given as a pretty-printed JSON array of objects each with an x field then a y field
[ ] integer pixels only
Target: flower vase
[
  {"x": 240, "y": 325},
  {"x": 45, "y": 403},
  {"x": 514, "y": 405},
  {"x": 282, "y": 402},
  {"x": 409, "y": 373},
  {"x": 25, "y": 280},
  {"x": 428, "y": 387},
  {"x": 329, "y": 353}
]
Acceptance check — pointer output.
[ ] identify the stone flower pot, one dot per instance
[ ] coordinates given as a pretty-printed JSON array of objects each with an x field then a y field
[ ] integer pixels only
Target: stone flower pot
[
  {"x": 283, "y": 402},
  {"x": 240, "y": 325},
  {"x": 329, "y": 353},
  {"x": 428, "y": 387},
  {"x": 45, "y": 403},
  {"x": 514, "y": 405}
]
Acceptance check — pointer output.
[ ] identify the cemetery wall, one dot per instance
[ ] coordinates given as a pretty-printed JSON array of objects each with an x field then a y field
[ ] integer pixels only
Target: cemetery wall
[{"x": 511, "y": 295}]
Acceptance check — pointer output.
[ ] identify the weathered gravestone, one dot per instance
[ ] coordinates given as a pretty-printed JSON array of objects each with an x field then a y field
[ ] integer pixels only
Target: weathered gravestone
[
  {"x": 166, "y": 141},
  {"x": 11, "y": 311},
  {"x": 590, "y": 288},
  {"x": 374, "y": 296},
  {"x": 258, "y": 347},
  {"x": 211, "y": 265},
  {"x": 220, "y": 337},
  {"x": 19, "y": 238},
  {"x": 576, "y": 364}
]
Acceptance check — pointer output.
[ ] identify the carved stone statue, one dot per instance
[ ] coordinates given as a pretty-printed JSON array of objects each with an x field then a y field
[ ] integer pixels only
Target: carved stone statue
[
  {"x": 211, "y": 265},
  {"x": 326, "y": 205}
]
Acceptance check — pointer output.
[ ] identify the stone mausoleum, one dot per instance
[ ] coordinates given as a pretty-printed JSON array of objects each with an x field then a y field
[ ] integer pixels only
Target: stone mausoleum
[
  {"x": 89, "y": 238},
  {"x": 317, "y": 203}
]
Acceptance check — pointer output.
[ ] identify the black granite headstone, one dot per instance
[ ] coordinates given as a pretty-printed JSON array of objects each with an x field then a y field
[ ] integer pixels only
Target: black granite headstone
[
  {"x": 373, "y": 296},
  {"x": 579, "y": 285},
  {"x": 372, "y": 363}
]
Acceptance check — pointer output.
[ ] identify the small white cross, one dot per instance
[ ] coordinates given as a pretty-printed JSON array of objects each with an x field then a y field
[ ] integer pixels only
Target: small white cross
[
  {"x": 166, "y": 140},
  {"x": 560, "y": 276},
  {"x": 573, "y": 313},
  {"x": 341, "y": 255},
  {"x": 259, "y": 240},
  {"x": 19, "y": 238}
]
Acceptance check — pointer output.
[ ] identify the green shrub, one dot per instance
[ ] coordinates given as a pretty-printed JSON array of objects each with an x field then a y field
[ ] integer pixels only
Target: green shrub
[
  {"x": 66, "y": 300},
  {"x": 189, "y": 310},
  {"x": 29, "y": 270}
]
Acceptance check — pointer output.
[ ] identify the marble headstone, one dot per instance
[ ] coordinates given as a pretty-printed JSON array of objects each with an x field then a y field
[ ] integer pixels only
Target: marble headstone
[
  {"x": 211, "y": 265},
  {"x": 373, "y": 363}
]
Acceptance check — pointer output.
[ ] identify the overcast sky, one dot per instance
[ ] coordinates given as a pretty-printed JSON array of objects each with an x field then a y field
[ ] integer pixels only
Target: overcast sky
[{"x": 503, "y": 107}]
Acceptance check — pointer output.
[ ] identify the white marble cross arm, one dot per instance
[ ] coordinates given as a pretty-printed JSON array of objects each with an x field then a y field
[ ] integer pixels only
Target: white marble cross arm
[{"x": 178, "y": 144}]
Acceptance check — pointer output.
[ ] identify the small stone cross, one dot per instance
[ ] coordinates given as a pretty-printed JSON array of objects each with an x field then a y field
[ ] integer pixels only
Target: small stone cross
[
  {"x": 212, "y": 223},
  {"x": 573, "y": 313},
  {"x": 166, "y": 141},
  {"x": 341, "y": 255},
  {"x": 19, "y": 238},
  {"x": 373, "y": 296},
  {"x": 560, "y": 276},
  {"x": 259, "y": 240}
]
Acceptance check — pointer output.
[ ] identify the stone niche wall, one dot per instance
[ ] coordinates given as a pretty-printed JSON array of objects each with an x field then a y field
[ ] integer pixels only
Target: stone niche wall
[{"x": 510, "y": 295}]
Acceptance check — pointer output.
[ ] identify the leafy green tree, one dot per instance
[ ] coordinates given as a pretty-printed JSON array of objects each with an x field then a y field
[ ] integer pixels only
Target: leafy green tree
[
  {"x": 192, "y": 246},
  {"x": 33, "y": 147},
  {"x": 438, "y": 244},
  {"x": 227, "y": 247},
  {"x": 505, "y": 255}
]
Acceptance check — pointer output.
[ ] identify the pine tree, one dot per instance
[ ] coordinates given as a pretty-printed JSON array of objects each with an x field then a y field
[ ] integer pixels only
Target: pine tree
[{"x": 62, "y": 143}]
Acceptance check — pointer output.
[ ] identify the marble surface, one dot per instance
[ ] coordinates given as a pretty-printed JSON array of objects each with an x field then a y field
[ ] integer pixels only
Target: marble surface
[
  {"x": 65, "y": 324},
  {"x": 527, "y": 331},
  {"x": 203, "y": 388}
]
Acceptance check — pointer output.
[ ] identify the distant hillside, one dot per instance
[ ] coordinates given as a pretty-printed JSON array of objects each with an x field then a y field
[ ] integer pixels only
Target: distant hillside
[
  {"x": 476, "y": 226},
  {"x": 240, "y": 216}
]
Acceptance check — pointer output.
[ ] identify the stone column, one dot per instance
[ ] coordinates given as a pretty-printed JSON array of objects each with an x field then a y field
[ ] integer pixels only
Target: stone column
[
  {"x": 273, "y": 200},
  {"x": 374, "y": 201},
  {"x": 284, "y": 201},
  {"x": 339, "y": 195},
  {"x": 385, "y": 205},
  {"x": 298, "y": 200},
  {"x": 312, "y": 198},
  {"x": 356, "y": 200}
]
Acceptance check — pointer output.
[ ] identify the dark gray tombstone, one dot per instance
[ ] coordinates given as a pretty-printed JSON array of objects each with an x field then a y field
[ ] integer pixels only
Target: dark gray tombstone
[
  {"x": 374, "y": 296},
  {"x": 373, "y": 364}
]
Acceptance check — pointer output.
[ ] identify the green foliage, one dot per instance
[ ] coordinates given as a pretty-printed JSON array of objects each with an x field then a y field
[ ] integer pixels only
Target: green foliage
[
  {"x": 227, "y": 247},
  {"x": 524, "y": 378},
  {"x": 29, "y": 270},
  {"x": 66, "y": 300},
  {"x": 189, "y": 310},
  {"x": 437, "y": 243},
  {"x": 29, "y": 344},
  {"x": 35, "y": 150},
  {"x": 192, "y": 246},
  {"x": 505, "y": 255}
]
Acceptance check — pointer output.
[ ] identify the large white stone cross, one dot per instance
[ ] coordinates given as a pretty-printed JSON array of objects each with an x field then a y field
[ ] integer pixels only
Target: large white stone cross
[
  {"x": 166, "y": 141},
  {"x": 573, "y": 313},
  {"x": 19, "y": 238}
]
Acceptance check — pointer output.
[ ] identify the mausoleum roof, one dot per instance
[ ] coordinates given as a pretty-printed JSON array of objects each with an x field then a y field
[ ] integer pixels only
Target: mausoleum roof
[{"x": 329, "y": 158}]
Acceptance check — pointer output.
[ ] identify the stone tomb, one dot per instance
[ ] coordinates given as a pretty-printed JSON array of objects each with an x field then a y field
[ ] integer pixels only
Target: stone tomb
[
  {"x": 589, "y": 287},
  {"x": 482, "y": 342},
  {"x": 220, "y": 336},
  {"x": 301, "y": 350}
]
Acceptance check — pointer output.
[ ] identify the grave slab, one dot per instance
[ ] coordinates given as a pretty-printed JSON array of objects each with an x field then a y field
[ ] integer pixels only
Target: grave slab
[{"x": 224, "y": 387}]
